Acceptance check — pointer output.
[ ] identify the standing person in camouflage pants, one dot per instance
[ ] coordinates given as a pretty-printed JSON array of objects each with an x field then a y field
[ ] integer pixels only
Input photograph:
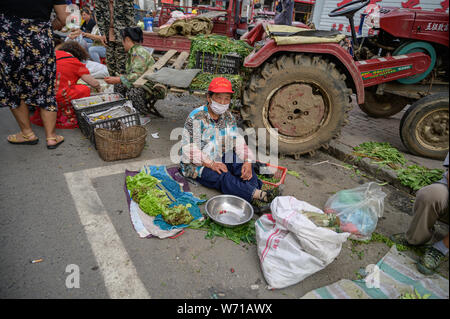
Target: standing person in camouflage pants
[
  {"x": 113, "y": 16},
  {"x": 138, "y": 60}
]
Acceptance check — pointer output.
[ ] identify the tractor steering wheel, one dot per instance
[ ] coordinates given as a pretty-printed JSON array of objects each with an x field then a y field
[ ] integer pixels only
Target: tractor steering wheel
[{"x": 354, "y": 6}]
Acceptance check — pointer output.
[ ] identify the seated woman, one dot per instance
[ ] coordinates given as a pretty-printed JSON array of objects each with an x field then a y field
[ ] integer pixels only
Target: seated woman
[
  {"x": 212, "y": 151},
  {"x": 98, "y": 48},
  {"x": 138, "y": 61},
  {"x": 86, "y": 27},
  {"x": 69, "y": 69}
]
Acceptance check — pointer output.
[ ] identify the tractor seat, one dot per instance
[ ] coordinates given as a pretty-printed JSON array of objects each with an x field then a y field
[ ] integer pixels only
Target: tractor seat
[
  {"x": 285, "y": 35},
  {"x": 307, "y": 33}
]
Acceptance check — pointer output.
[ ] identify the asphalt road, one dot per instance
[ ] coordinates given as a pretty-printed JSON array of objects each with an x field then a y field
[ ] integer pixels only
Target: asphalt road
[{"x": 68, "y": 208}]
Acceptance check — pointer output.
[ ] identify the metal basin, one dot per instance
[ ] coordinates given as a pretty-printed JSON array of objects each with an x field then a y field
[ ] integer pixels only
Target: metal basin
[{"x": 229, "y": 210}]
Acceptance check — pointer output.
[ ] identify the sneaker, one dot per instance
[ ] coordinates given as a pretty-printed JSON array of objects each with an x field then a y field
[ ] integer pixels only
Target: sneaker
[
  {"x": 400, "y": 239},
  {"x": 430, "y": 260}
]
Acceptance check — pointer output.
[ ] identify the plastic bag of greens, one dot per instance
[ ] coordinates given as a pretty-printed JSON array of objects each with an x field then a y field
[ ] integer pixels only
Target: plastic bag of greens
[{"x": 358, "y": 209}]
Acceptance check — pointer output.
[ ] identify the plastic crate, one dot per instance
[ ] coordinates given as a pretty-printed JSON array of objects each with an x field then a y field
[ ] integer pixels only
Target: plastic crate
[
  {"x": 279, "y": 173},
  {"x": 84, "y": 125},
  {"x": 218, "y": 64},
  {"x": 88, "y": 128},
  {"x": 95, "y": 102}
]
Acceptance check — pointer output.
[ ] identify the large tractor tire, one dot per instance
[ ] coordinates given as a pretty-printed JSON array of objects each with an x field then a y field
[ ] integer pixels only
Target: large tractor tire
[
  {"x": 382, "y": 106},
  {"x": 424, "y": 126},
  {"x": 305, "y": 98}
]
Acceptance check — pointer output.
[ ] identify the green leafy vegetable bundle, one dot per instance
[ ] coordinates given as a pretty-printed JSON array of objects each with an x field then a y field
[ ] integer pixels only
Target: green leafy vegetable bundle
[
  {"x": 178, "y": 215},
  {"x": 245, "y": 233},
  {"x": 154, "y": 201},
  {"x": 217, "y": 44},
  {"x": 382, "y": 153},
  {"x": 417, "y": 177}
]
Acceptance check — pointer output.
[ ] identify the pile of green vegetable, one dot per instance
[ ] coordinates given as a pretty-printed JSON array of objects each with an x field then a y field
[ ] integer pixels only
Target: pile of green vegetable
[
  {"x": 268, "y": 178},
  {"x": 202, "y": 81},
  {"x": 217, "y": 44},
  {"x": 413, "y": 176},
  {"x": 154, "y": 201},
  {"x": 417, "y": 177},
  {"x": 245, "y": 233},
  {"x": 382, "y": 153}
]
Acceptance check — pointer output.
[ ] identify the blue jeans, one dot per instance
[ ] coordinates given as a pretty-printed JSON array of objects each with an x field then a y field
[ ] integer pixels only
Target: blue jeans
[
  {"x": 230, "y": 183},
  {"x": 97, "y": 52}
]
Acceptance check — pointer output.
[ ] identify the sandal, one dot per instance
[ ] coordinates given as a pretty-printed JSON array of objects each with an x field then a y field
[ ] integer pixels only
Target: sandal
[
  {"x": 27, "y": 139},
  {"x": 52, "y": 147},
  {"x": 269, "y": 195}
]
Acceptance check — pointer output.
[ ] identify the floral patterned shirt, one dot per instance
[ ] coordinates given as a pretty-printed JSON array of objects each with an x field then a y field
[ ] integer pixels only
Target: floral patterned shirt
[{"x": 205, "y": 139}]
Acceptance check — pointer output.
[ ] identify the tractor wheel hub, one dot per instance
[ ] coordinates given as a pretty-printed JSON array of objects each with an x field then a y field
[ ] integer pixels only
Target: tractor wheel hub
[
  {"x": 433, "y": 130},
  {"x": 297, "y": 110}
]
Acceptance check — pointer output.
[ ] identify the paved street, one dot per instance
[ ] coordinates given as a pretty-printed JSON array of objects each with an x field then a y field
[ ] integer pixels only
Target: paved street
[
  {"x": 68, "y": 207},
  {"x": 362, "y": 128}
]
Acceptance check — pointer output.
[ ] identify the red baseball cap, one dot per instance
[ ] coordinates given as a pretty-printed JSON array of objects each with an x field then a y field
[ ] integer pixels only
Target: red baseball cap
[{"x": 220, "y": 85}]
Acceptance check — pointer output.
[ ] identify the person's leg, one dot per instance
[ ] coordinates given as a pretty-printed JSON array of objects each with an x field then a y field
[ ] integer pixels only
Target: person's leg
[
  {"x": 101, "y": 51},
  {"x": 138, "y": 98},
  {"x": 234, "y": 166},
  {"x": 22, "y": 116},
  {"x": 94, "y": 54},
  {"x": 227, "y": 184},
  {"x": 121, "y": 57},
  {"x": 121, "y": 89},
  {"x": 111, "y": 59},
  {"x": 49, "y": 121},
  {"x": 431, "y": 202}
]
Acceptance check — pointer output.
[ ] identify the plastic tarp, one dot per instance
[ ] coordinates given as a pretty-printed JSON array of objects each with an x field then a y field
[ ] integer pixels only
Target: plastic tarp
[
  {"x": 172, "y": 77},
  {"x": 391, "y": 278}
]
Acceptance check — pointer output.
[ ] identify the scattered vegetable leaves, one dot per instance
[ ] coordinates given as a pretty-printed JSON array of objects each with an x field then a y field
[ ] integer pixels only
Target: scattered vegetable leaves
[
  {"x": 294, "y": 173},
  {"x": 415, "y": 295},
  {"x": 245, "y": 233}
]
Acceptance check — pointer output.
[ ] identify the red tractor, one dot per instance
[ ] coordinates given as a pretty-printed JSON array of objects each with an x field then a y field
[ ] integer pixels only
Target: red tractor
[{"x": 301, "y": 93}]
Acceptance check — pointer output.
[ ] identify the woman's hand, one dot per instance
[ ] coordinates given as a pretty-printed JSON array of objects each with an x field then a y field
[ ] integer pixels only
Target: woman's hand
[
  {"x": 103, "y": 39},
  {"x": 112, "y": 79},
  {"x": 218, "y": 167},
  {"x": 246, "y": 171}
]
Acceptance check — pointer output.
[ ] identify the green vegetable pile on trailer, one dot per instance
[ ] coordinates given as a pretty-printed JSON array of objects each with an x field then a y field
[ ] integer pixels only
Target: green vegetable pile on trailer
[
  {"x": 217, "y": 44},
  {"x": 202, "y": 80}
]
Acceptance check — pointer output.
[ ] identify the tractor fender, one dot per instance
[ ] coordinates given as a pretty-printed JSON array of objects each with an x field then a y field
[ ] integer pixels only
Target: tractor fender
[{"x": 339, "y": 54}]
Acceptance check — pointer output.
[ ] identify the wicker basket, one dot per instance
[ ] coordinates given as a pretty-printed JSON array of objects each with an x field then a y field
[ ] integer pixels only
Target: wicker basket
[{"x": 127, "y": 142}]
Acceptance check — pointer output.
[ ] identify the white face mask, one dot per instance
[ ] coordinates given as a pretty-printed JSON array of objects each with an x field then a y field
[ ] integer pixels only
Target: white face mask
[{"x": 218, "y": 108}]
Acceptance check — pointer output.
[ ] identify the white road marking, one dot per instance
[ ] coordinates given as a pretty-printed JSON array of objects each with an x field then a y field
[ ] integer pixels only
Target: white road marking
[{"x": 118, "y": 271}]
